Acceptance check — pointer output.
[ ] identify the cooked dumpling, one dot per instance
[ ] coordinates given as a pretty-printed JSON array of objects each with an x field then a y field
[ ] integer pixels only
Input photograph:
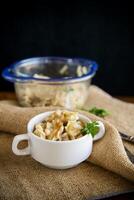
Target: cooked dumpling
[{"x": 61, "y": 125}]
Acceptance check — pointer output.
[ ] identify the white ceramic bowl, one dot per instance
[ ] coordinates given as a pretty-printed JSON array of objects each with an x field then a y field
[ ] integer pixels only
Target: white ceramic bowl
[{"x": 55, "y": 154}]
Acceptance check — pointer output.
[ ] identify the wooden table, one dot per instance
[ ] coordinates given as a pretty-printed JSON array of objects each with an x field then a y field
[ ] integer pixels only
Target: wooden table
[
  {"x": 128, "y": 196},
  {"x": 11, "y": 95}
]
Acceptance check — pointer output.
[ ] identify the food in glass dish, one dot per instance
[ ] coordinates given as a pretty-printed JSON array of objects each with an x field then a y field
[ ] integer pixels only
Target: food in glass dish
[
  {"x": 51, "y": 81},
  {"x": 37, "y": 94},
  {"x": 33, "y": 94}
]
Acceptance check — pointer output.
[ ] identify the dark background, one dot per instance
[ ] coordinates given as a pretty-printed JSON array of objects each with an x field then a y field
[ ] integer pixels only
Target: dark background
[{"x": 102, "y": 31}]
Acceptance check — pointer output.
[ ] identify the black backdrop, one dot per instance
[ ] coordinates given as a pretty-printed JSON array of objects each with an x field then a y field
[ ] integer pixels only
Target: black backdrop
[{"x": 95, "y": 30}]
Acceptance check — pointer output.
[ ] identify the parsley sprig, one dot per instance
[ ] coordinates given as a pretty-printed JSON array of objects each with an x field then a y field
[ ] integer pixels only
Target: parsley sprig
[
  {"x": 91, "y": 128},
  {"x": 98, "y": 111}
]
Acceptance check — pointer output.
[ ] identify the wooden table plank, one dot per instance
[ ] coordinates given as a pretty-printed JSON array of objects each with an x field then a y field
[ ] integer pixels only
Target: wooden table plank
[
  {"x": 7, "y": 95},
  {"x": 11, "y": 95},
  {"x": 129, "y": 99}
]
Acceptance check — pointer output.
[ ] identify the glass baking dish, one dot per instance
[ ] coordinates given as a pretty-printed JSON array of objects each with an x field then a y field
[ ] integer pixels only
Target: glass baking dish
[{"x": 51, "y": 81}]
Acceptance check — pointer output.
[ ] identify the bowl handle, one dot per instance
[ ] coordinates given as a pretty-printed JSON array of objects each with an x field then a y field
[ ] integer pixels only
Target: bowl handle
[{"x": 16, "y": 140}]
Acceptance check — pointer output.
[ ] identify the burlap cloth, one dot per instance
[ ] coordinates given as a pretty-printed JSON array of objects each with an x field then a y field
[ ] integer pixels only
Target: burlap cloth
[{"x": 108, "y": 171}]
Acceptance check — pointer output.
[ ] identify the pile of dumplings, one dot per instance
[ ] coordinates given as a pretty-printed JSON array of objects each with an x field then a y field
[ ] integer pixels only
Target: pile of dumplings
[{"x": 61, "y": 125}]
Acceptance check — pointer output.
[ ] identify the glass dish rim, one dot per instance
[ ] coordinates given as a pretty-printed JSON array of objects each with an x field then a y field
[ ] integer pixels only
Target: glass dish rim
[{"x": 6, "y": 73}]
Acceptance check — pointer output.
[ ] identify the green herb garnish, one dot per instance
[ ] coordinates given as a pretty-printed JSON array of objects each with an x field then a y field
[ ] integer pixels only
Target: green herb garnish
[
  {"x": 91, "y": 128},
  {"x": 99, "y": 112}
]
